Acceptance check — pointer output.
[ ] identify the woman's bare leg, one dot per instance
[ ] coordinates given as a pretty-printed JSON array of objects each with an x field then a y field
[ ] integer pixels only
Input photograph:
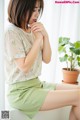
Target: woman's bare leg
[
  {"x": 72, "y": 115},
  {"x": 69, "y": 87},
  {"x": 61, "y": 98}
]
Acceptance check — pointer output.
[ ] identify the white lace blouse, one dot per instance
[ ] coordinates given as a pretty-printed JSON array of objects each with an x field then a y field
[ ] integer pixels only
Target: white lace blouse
[{"x": 17, "y": 45}]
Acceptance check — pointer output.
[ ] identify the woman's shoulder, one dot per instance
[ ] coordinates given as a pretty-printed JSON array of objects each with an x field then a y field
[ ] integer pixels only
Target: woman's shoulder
[{"x": 11, "y": 28}]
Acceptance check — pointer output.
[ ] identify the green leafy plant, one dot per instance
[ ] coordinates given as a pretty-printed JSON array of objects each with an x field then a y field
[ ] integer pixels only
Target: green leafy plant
[{"x": 69, "y": 53}]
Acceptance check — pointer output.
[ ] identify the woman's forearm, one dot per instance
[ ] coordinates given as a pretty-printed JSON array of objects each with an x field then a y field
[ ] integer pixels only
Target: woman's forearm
[
  {"x": 46, "y": 49},
  {"x": 32, "y": 55},
  {"x": 46, "y": 52}
]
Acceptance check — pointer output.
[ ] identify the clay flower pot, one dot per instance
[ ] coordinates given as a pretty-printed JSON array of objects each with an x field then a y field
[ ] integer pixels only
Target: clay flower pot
[{"x": 70, "y": 76}]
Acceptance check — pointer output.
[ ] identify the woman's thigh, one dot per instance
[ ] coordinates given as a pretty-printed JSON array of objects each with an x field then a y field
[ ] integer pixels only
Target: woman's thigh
[
  {"x": 60, "y": 98},
  {"x": 64, "y": 95},
  {"x": 67, "y": 86}
]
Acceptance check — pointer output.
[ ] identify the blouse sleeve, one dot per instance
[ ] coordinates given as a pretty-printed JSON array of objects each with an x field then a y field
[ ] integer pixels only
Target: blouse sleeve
[{"x": 14, "y": 46}]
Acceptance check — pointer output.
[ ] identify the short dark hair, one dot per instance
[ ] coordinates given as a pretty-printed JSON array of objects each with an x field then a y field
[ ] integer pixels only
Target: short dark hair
[{"x": 18, "y": 9}]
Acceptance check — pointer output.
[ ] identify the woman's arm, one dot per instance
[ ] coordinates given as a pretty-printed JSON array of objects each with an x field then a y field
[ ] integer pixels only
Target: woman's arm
[
  {"x": 26, "y": 63},
  {"x": 46, "y": 49}
]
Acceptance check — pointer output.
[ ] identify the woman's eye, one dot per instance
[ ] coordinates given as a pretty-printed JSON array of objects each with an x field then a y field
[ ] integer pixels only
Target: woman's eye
[
  {"x": 36, "y": 10},
  {"x": 39, "y": 10}
]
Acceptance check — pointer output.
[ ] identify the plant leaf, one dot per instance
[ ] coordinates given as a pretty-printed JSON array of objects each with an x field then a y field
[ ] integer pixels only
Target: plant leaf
[
  {"x": 63, "y": 41},
  {"x": 70, "y": 58},
  {"x": 64, "y": 58},
  {"x": 79, "y": 63},
  {"x": 75, "y": 50},
  {"x": 77, "y": 44},
  {"x": 78, "y": 58},
  {"x": 61, "y": 49},
  {"x": 71, "y": 44}
]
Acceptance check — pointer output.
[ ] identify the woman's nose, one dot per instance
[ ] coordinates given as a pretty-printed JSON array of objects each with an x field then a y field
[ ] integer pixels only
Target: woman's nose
[{"x": 37, "y": 14}]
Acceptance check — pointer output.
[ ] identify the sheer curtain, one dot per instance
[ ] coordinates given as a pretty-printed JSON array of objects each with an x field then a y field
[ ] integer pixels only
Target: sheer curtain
[
  {"x": 51, "y": 21},
  {"x": 2, "y": 81},
  {"x": 69, "y": 27},
  {"x": 59, "y": 20}
]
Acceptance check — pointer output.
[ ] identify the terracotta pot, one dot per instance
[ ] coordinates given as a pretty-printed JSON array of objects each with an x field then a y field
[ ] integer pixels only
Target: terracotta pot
[
  {"x": 70, "y": 76},
  {"x": 70, "y": 82}
]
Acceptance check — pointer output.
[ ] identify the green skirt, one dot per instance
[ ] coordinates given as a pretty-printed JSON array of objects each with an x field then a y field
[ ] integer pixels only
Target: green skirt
[{"x": 28, "y": 96}]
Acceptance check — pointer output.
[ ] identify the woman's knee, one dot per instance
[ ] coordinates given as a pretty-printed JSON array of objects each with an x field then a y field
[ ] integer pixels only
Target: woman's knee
[
  {"x": 78, "y": 96},
  {"x": 78, "y": 87}
]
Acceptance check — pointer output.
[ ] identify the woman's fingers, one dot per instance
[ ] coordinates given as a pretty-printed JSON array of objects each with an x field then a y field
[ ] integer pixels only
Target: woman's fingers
[
  {"x": 36, "y": 25},
  {"x": 36, "y": 28}
]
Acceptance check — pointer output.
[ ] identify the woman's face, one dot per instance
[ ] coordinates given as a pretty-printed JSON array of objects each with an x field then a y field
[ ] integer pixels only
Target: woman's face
[{"x": 35, "y": 13}]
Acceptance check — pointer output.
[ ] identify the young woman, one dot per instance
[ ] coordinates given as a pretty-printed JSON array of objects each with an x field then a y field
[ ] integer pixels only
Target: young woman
[{"x": 26, "y": 46}]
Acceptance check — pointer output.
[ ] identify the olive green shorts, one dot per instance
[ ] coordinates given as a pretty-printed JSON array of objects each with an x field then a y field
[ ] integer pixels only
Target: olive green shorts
[{"x": 28, "y": 96}]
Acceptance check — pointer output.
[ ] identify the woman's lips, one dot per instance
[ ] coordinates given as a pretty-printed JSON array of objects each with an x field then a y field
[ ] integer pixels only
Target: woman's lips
[{"x": 34, "y": 20}]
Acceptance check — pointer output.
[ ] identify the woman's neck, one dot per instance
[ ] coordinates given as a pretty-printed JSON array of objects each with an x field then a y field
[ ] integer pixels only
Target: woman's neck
[{"x": 28, "y": 30}]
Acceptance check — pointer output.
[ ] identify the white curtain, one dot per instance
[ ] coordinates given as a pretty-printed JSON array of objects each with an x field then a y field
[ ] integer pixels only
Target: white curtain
[
  {"x": 59, "y": 20},
  {"x": 69, "y": 27},
  {"x": 2, "y": 80},
  {"x": 51, "y": 21}
]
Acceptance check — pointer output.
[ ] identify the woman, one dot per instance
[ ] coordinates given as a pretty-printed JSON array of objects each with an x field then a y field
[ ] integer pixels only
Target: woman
[{"x": 26, "y": 46}]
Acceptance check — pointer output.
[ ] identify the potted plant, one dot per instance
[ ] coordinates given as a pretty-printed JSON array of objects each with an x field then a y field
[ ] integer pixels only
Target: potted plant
[{"x": 70, "y": 54}]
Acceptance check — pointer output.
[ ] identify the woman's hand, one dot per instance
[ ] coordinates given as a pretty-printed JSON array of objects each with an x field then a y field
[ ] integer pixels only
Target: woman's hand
[
  {"x": 38, "y": 27},
  {"x": 38, "y": 35}
]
